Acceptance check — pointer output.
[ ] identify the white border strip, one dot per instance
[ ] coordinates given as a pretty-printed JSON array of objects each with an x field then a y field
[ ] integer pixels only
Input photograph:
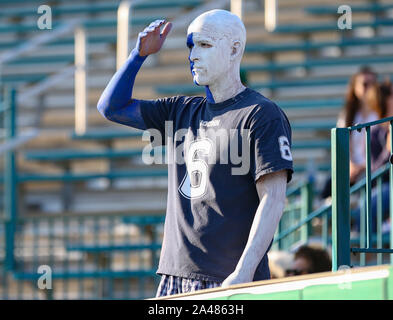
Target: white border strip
[{"x": 346, "y": 277}]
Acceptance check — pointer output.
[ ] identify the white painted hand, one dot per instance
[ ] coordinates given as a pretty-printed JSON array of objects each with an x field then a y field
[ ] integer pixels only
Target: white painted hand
[
  {"x": 236, "y": 278},
  {"x": 150, "y": 40}
]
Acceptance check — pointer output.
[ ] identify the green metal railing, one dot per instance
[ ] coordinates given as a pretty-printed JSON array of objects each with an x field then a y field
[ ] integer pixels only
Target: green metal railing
[
  {"x": 295, "y": 225},
  {"x": 109, "y": 256},
  {"x": 340, "y": 211},
  {"x": 9, "y": 201},
  {"x": 8, "y": 113},
  {"x": 100, "y": 256},
  {"x": 341, "y": 200}
]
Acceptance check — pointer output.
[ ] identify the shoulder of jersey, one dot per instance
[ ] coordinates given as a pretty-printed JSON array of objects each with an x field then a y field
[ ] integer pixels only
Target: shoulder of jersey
[
  {"x": 267, "y": 108},
  {"x": 187, "y": 99}
]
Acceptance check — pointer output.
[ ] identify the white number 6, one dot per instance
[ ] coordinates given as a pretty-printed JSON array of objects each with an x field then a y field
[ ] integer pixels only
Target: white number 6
[
  {"x": 196, "y": 167},
  {"x": 284, "y": 148}
]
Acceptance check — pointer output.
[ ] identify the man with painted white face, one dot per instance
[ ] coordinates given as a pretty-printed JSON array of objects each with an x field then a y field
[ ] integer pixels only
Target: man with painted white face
[{"x": 220, "y": 218}]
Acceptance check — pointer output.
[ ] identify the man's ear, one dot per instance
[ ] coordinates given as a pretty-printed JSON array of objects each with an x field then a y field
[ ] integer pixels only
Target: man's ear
[{"x": 235, "y": 49}]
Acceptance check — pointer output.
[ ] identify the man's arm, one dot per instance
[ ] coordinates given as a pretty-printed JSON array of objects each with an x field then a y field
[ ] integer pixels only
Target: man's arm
[
  {"x": 116, "y": 103},
  {"x": 271, "y": 189}
]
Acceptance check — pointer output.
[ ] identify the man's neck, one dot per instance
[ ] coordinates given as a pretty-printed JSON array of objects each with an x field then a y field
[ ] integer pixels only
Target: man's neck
[{"x": 226, "y": 89}]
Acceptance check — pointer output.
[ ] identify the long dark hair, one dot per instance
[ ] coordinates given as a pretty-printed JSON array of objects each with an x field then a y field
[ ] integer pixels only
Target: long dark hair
[
  {"x": 385, "y": 91},
  {"x": 352, "y": 103}
]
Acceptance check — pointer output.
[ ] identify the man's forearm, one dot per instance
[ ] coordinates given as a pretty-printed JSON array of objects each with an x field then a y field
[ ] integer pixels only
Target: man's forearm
[
  {"x": 116, "y": 103},
  {"x": 272, "y": 193},
  {"x": 265, "y": 223},
  {"x": 118, "y": 92}
]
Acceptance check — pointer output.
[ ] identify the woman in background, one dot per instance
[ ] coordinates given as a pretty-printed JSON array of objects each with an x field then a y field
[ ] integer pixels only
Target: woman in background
[
  {"x": 380, "y": 146},
  {"x": 358, "y": 108},
  {"x": 380, "y": 152}
]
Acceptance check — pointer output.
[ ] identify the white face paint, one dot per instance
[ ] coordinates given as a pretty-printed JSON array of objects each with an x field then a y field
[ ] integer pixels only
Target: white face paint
[
  {"x": 210, "y": 58},
  {"x": 216, "y": 40}
]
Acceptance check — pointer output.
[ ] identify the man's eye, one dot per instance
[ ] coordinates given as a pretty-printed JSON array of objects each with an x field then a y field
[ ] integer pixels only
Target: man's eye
[{"x": 205, "y": 45}]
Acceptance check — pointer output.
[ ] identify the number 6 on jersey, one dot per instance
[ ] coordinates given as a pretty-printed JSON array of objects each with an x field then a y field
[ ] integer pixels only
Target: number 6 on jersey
[
  {"x": 197, "y": 169},
  {"x": 285, "y": 148}
]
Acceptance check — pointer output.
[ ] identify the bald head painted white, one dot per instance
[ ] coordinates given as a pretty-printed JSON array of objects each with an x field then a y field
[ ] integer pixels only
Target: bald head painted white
[{"x": 216, "y": 40}]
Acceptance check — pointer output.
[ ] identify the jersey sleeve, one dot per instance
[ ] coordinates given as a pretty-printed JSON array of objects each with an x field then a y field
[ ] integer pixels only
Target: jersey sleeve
[
  {"x": 270, "y": 147},
  {"x": 156, "y": 113}
]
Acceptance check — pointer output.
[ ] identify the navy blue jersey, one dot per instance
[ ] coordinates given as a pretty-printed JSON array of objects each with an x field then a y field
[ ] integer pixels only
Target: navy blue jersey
[{"x": 216, "y": 153}]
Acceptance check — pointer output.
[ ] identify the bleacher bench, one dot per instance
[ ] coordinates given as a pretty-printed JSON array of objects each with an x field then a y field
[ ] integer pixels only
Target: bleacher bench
[{"x": 332, "y": 10}]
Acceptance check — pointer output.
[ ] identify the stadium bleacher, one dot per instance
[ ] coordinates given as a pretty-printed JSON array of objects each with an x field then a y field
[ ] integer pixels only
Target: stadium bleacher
[{"x": 304, "y": 67}]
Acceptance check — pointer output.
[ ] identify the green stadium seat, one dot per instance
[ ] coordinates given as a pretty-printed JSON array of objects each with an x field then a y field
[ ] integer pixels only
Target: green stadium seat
[
  {"x": 115, "y": 174},
  {"x": 98, "y": 8},
  {"x": 323, "y": 167},
  {"x": 64, "y": 156},
  {"x": 250, "y": 48},
  {"x": 315, "y": 45},
  {"x": 105, "y": 248},
  {"x": 89, "y": 274},
  {"x": 146, "y": 172},
  {"x": 175, "y": 89},
  {"x": 371, "y": 7},
  {"x": 99, "y": 274},
  {"x": 330, "y": 26},
  {"x": 315, "y": 125},
  {"x": 316, "y": 63},
  {"x": 106, "y": 134},
  {"x": 312, "y": 144},
  {"x": 77, "y": 154},
  {"x": 88, "y": 24},
  {"x": 109, "y": 134},
  {"x": 111, "y": 38},
  {"x": 16, "y": 78},
  {"x": 140, "y": 219},
  {"x": 303, "y": 82},
  {"x": 192, "y": 89},
  {"x": 43, "y": 59},
  {"x": 311, "y": 103}
]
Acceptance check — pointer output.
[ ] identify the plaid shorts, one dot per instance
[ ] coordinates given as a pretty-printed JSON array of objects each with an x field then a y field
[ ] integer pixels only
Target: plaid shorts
[{"x": 173, "y": 285}]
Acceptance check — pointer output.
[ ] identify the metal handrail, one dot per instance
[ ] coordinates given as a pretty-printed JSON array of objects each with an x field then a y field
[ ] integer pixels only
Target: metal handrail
[
  {"x": 341, "y": 192},
  {"x": 369, "y": 124},
  {"x": 302, "y": 207},
  {"x": 375, "y": 175},
  {"x": 325, "y": 209},
  {"x": 319, "y": 212}
]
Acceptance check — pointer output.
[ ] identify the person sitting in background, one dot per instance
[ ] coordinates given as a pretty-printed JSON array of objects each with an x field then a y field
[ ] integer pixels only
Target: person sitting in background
[
  {"x": 310, "y": 259},
  {"x": 380, "y": 146},
  {"x": 380, "y": 151},
  {"x": 357, "y": 109}
]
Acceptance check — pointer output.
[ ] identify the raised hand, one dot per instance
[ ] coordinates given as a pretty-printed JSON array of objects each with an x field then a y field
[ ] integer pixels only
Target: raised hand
[{"x": 151, "y": 39}]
